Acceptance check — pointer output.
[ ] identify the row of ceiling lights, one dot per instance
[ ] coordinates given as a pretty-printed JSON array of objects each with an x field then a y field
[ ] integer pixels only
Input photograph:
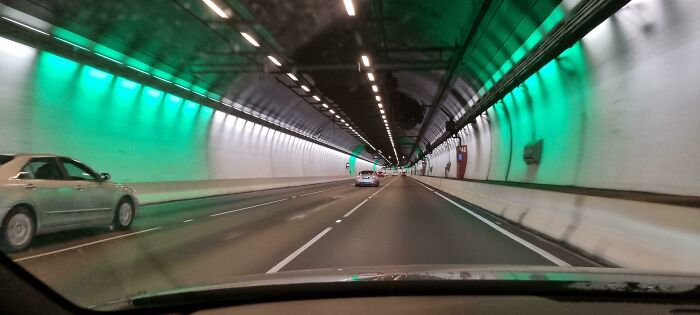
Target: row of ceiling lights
[
  {"x": 350, "y": 8},
  {"x": 378, "y": 98},
  {"x": 221, "y": 13}
]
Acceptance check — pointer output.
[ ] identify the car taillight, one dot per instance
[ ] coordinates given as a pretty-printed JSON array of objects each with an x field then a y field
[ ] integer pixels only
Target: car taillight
[{"x": 373, "y": 176}]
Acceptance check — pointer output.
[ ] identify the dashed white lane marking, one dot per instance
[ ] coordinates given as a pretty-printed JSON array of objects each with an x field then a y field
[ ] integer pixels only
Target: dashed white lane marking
[
  {"x": 296, "y": 253},
  {"x": 246, "y": 208},
  {"x": 380, "y": 189},
  {"x": 505, "y": 232},
  {"x": 188, "y": 220},
  {"x": 338, "y": 221},
  {"x": 86, "y": 244},
  {"x": 353, "y": 209},
  {"x": 320, "y": 191}
]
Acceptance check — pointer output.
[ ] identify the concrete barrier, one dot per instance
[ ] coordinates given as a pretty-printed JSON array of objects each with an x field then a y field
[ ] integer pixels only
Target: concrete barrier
[
  {"x": 153, "y": 192},
  {"x": 627, "y": 233}
]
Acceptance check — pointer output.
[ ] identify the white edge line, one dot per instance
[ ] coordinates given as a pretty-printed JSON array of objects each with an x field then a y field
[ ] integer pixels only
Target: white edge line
[
  {"x": 245, "y": 208},
  {"x": 514, "y": 237},
  {"x": 86, "y": 244},
  {"x": 353, "y": 209},
  {"x": 296, "y": 253}
]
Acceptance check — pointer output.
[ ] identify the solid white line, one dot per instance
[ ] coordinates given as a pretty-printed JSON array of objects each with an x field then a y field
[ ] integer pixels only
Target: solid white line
[
  {"x": 249, "y": 207},
  {"x": 86, "y": 244},
  {"x": 296, "y": 253},
  {"x": 419, "y": 183},
  {"x": 514, "y": 237},
  {"x": 188, "y": 220},
  {"x": 353, "y": 209}
]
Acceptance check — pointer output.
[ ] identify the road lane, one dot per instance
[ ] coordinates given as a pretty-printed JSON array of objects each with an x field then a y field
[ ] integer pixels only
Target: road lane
[
  {"x": 211, "y": 240},
  {"x": 410, "y": 224},
  {"x": 205, "y": 250},
  {"x": 168, "y": 213}
]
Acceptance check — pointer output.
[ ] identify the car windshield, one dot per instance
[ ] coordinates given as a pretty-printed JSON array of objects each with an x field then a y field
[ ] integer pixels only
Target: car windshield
[{"x": 157, "y": 146}]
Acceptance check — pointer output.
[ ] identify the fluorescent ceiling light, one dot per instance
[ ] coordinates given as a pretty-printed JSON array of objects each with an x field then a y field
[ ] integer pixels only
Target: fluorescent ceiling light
[
  {"x": 215, "y": 8},
  {"x": 380, "y": 105},
  {"x": 343, "y": 120},
  {"x": 72, "y": 44},
  {"x": 370, "y": 76},
  {"x": 375, "y": 88},
  {"x": 383, "y": 117},
  {"x": 365, "y": 60},
  {"x": 376, "y": 97},
  {"x": 347, "y": 124},
  {"x": 385, "y": 120},
  {"x": 26, "y": 26},
  {"x": 318, "y": 99},
  {"x": 108, "y": 58},
  {"x": 331, "y": 111},
  {"x": 381, "y": 111},
  {"x": 292, "y": 76},
  {"x": 349, "y": 7},
  {"x": 305, "y": 88},
  {"x": 275, "y": 61},
  {"x": 182, "y": 87},
  {"x": 137, "y": 69},
  {"x": 250, "y": 39},
  {"x": 336, "y": 116},
  {"x": 159, "y": 78},
  {"x": 325, "y": 105}
]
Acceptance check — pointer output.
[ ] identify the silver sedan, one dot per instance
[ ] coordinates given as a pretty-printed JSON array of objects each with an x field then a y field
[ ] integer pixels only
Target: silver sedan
[
  {"x": 367, "y": 178},
  {"x": 42, "y": 193}
]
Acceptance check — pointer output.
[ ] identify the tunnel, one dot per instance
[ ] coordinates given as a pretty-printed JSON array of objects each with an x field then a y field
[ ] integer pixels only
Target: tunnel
[{"x": 232, "y": 137}]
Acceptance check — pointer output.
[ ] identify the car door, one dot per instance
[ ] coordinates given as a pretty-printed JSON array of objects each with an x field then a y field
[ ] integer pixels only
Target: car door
[
  {"x": 94, "y": 197},
  {"x": 53, "y": 200}
]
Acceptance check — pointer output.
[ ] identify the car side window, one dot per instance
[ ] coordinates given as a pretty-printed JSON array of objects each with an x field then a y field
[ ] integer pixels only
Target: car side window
[
  {"x": 41, "y": 168},
  {"x": 77, "y": 171}
]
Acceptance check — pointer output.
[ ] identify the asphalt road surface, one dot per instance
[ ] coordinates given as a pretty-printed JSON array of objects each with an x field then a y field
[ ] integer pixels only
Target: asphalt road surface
[{"x": 331, "y": 225}]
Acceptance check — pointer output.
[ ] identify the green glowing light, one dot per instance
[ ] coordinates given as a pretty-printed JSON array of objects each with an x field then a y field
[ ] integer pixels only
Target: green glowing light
[
  {"x": 98, "y": 74},
  {"x": 128, "y": 84},
  {"x": 174, "y": 98},
  {"x": 153, "y": 92}
]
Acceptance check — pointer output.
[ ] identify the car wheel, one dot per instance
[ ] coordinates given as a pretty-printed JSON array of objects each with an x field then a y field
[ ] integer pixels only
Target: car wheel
[
  {"x": 18, "y": 229},
  {"x": 124, "y": 214}
]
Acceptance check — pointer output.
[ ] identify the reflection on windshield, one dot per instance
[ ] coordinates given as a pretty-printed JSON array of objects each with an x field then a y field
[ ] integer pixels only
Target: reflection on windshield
[{"x": 160, "y": 147}]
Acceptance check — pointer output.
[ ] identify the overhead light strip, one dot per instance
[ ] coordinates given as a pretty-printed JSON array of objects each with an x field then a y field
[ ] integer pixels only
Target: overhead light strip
[
  {"x": 216, "y": 9},
  {"x": 25, "y": 26}
]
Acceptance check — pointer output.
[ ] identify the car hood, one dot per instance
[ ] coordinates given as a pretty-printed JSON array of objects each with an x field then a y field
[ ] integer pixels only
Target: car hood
[{"x": 579, "y": 279}]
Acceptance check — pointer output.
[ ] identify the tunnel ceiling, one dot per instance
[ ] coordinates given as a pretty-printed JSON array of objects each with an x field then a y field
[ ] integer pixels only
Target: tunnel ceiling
[{"x": 413, "y": 45}]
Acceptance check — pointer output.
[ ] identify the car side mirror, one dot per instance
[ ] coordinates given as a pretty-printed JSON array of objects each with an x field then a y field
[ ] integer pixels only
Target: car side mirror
[{"x": 105, "y": 177}]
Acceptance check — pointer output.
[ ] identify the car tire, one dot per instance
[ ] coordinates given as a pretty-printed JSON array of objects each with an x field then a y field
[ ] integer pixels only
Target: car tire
[
  {"x": 18, "y": 229},
  {"x": 124, "y": 214}
]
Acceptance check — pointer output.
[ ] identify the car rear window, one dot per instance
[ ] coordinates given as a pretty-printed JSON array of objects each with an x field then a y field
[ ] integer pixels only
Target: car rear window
[
  {"x": 366, "y": 173},
  {"x": 5, "y": 158}
]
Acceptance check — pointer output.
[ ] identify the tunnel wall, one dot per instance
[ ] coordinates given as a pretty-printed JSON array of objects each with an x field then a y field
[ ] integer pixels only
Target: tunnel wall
[
  {"x": 615, "y": 111},
  {"x": 49, "y": 104}
]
